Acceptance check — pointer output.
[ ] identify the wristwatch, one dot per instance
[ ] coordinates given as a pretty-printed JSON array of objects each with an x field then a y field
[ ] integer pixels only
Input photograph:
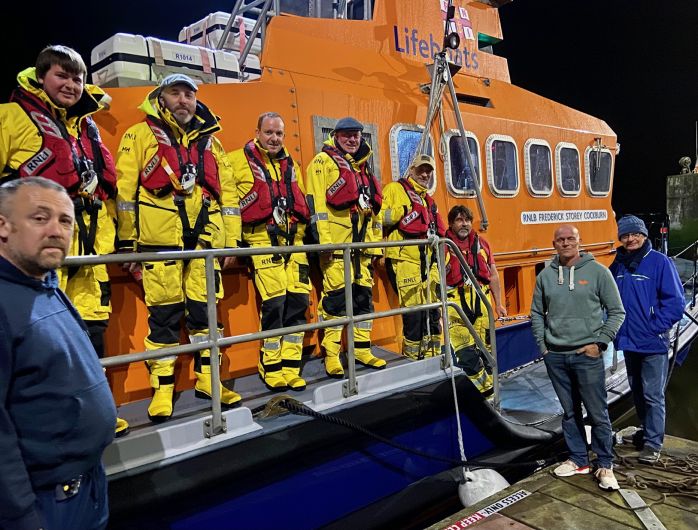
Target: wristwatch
[{"x": 602, "y": 346}]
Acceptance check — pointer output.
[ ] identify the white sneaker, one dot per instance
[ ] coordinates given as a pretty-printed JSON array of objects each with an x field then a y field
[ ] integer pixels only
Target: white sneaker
[
  {"x": 569, "y": 468},
  {"x": 607, "y": 480}
]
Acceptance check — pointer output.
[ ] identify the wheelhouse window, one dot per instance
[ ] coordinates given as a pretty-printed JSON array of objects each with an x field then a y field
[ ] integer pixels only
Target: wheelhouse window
[
  {"x": 404, "y": 141},
  {"x": 567, "y": 162},
  {"x": 502, "y": 165},
  {"x": 322, "y": 127},
  {"x": 459, "y": 176},
  {"x": 539, "y": 167},
  {"x": 599, "y": 168}
]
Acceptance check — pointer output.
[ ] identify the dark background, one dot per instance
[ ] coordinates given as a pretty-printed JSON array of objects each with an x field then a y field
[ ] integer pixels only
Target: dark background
[{"x": 633, "y": 63}]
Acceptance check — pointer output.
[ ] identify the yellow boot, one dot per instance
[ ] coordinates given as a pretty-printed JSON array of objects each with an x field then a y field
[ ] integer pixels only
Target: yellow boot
[
  {"x": 482, "y": 381},
  {"x": 333, "y": 364},
  {"x": 365, "y": 357},
  {"x": 162, "y": 380},
  {"x": 291, "y": 355},
  {"x": 121, "y": 429},
  {"x": 269, "y": 366},
  {"x": 203, "y": 390},
  {"x": 410, "y": 349}
]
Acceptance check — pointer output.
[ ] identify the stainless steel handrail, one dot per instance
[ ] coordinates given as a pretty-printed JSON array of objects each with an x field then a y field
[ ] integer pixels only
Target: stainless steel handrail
[{"x": 216, "y": 425}]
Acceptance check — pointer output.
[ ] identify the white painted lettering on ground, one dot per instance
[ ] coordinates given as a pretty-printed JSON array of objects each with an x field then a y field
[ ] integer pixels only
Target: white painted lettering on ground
[
  {"x": 488, "y": 510},
  {"x": 562, "y": 216}
]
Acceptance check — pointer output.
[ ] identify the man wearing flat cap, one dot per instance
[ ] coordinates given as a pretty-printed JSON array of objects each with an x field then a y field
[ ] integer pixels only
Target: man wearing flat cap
[
  {"x": 409, "y": 212},
  {"x": 345, "y": 200},
  {"x": 652, "y": 295},
  {"x": 176, "y": 192}
]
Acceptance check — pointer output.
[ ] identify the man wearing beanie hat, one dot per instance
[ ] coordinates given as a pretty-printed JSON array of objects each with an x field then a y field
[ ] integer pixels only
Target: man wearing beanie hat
[
  {"x": 652, "y": 295},
  {"x": 345, "y": 199},
  {"x": 176, "y": 192}
]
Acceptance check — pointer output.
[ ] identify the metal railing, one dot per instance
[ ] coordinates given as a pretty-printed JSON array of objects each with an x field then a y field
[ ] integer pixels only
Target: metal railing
[{"x": 216, "y": 424}]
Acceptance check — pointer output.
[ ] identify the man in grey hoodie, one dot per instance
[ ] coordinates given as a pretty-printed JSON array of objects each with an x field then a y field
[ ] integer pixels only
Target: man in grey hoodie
[{"x": 567, "y": 317}]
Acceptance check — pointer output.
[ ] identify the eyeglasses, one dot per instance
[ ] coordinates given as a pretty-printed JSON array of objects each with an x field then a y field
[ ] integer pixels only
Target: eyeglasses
[{"x": 625, "y": 237}]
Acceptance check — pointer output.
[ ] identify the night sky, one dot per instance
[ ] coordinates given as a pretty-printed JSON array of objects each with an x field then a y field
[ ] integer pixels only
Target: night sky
[{"x": 633, "y": 63}]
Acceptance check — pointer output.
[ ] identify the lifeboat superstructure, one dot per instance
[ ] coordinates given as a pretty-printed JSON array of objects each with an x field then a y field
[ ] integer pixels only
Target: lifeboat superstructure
[{"x": 541, "y": 163}]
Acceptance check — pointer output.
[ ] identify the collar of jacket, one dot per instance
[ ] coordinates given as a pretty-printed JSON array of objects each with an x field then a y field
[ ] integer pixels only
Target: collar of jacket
[
  {"x": 280, "y": 156},
  {"x": 421, "y": 190},
  {"x": 87, "y": 105}
]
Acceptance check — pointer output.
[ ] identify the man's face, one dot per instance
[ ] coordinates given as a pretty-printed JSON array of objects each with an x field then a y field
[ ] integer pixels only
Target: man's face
[
  {"x": 349, "y": 141},
  {"x": 62, "y": 87},
  {"x": 271, "y": 135},
  {"x": 633, "y": 241},
  {"x": 36, "y": 232},
  {"x": 461, "y": 226},
  {"x": 566, "y": 242},
  {"x": 180, "y": 100},
  {"x": 422, "y": 174}
]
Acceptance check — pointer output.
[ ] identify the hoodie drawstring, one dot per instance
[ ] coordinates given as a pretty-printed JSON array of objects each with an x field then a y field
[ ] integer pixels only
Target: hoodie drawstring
[{"x": 561, "y": 277}]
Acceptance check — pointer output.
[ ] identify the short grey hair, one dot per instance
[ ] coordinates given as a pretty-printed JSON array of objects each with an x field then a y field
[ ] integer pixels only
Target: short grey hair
[
  {"x": 11, "y": 187},
  {"x": 265, "y": 115}
]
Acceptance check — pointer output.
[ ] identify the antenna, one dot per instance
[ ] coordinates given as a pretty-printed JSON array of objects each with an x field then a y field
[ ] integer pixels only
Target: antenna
[{"x": 695, "y": 169}]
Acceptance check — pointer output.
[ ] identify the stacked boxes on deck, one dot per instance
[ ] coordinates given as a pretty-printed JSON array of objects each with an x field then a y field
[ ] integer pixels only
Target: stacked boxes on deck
[{"x": 131, "y": 60}]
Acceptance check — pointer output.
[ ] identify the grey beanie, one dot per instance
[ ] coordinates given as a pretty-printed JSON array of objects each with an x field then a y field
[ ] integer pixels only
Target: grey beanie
[{"x": 630, "y": 224}]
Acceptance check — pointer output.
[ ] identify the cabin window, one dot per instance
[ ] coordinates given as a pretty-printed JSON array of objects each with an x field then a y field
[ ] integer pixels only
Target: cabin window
[
  {"x": 599, "y": 163},
  {"x": 404, "y": 140},
  {"x": 322, "y": 127},
  {"x": 502, "y": 165},
  {"x": 567, "y": 162},
  {"x": 459, "y": 177},
  {"x": 539, "y": 167}
]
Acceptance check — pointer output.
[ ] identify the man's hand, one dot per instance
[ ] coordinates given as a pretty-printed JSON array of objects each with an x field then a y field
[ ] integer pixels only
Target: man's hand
[
  {"x": 500, "y": 311},
  {"x": 228, "y": 262},
  {"x": 133, "y": 267},
  {"x": 590, "y": 350}
]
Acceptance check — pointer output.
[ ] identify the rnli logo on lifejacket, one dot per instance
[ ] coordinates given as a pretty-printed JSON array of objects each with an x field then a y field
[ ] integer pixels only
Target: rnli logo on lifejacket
[
  {"x": 147, "y": 170},
  {"x": 409, "y": 218},
  {"x": 336, "y": 186},
  {"x": 248, "y": 201},
  {"x": 161, "y": 136},
  {"x": 414, "y": 197},
  {"x": 45, "y": 124},
  {"x": 37, "y": 161}
]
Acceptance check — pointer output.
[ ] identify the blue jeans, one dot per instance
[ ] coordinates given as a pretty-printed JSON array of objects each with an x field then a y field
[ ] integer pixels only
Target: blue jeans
[
  {"x": 88, "y": 509},
  {"x": 579, "y": 379},
  {"x": 647, "y": 375}
]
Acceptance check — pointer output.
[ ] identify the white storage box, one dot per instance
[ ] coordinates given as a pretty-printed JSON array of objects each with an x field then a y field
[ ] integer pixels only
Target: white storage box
[
  {"x": 209, "y": 30},
  {"x": 128, "y": 60}
]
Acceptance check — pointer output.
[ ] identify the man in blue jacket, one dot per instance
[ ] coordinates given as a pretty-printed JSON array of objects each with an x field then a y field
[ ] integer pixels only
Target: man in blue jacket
[
  {"x": 653, "y": 299},
  {"x": 56, "y": 410}
]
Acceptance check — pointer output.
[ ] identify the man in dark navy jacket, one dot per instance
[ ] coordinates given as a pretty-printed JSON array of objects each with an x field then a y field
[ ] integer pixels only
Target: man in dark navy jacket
[
  {"x": 56, "y": 410},
  {"x": 653, "y": 299}
]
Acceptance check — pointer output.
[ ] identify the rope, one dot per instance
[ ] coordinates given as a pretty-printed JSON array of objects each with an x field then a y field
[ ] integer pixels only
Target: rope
[{"x": 296, "y": 407}]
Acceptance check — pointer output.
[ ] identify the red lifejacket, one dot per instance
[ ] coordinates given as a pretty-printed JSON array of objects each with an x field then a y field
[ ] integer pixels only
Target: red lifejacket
[
  {"x": 470, "y": 247},
  {"x": 156, "y": 179},
  {"x": 344, "y": 192},
  {"x": 258, "y": 204},
  {"x": 62, "y": 157},
  {"x": 421, "y": 218}
]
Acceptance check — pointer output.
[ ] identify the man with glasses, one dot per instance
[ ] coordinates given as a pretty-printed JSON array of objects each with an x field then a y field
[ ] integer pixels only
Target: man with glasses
[
  {"x": 652, "y": 295},
  {"x": 345, "y": 199}
]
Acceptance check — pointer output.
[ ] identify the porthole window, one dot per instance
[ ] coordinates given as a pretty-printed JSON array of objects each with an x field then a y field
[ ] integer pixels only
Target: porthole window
[
  {"x": 567, "y": 169},
  {"x": 598, "y": 169},
  {"x": 538, "y": 165},
  {"x": 502, "y": 165},
  {"x": 459, "y": 176},
  {"x": 404, "y": 140}
]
